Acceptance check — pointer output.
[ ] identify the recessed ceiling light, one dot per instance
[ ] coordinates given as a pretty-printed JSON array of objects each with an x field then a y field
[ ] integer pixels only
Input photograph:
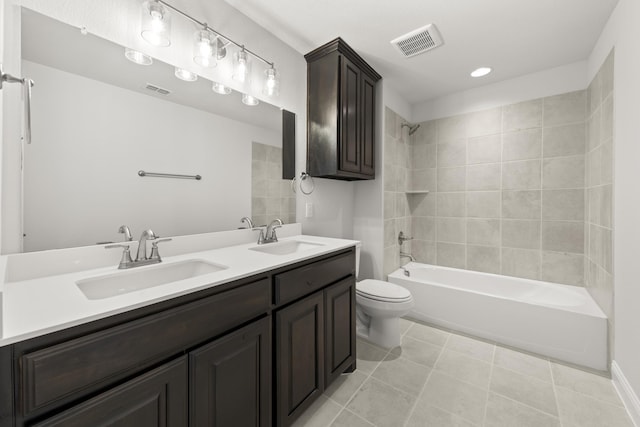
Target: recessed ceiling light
[
  {"x": 186, "y": 75},
  {"x": 137, "y": 57},
  {"x": 480, "y": 72}
]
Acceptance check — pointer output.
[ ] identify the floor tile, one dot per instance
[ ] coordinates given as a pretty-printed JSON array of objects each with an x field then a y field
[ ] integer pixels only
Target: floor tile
[
  {"x": 319, "y": 414},
  {"x": 464, "y": 368},
  {"x": 381, "y": 404},
  {"x": 349, "y": 419},
  {"x": 418, "y": 351},
  {"x": 402, "y": 373},
  {"x": 368, "y": 356},
  {"x": 345, "y": 386},
  {"x": 474, "y": 348},
  {"x": 428, "y": 334},
  {"x": 405, "y": 325},
  {"x": 503, "y": 412},
  {"x": 585, "y": 383},
  {"x": 524, "y": 389},
  {"x": 454, "y": 396},
  {"x": 430, "y": 416},
  {"x": 578, "y": 410},
  {"x": 523, "y": 363}
]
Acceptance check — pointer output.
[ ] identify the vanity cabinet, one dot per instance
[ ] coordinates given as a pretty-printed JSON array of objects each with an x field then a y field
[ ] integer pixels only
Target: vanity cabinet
[
  {"x": 341, "y": 117},
  {"x": 315, "y": 334}
]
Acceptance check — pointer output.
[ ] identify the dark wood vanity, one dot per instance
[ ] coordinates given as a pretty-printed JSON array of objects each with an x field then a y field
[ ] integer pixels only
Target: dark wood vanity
[
  {"x": 341, "y": 113},
  {"x": 253, "y": 352}
]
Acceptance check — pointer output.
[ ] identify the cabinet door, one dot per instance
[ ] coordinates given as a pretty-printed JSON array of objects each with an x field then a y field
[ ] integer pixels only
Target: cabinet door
[
  {"x": 299, "y": 357},
  {"x": 367, "y": 134},
  {"x": 230, "y": 379},
  {"x": 340, "y": 310},
  {"x": 157, "y": 398},
  {"x": 350, "y": 117}
]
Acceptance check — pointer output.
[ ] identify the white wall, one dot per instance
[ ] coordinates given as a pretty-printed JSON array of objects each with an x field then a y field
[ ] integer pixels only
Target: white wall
[
  {"x": 563, "y": 79},
  {"x": 91, "y": 138},
  {"x": 622, "y": 32}
]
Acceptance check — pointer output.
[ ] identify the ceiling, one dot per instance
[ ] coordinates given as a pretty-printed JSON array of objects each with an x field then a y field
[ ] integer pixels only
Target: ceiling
[{"x": 515, "y": 37}]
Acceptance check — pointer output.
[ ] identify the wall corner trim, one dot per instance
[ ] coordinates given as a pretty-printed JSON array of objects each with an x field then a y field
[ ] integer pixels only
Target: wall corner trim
[{"x": 626, "y": 393}]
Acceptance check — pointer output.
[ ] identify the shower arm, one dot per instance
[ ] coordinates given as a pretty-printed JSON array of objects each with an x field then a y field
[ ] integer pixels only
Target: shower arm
[{"x": 26, "y": 84}]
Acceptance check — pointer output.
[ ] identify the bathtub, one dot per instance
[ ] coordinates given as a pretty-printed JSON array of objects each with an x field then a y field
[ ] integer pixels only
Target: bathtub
[{"x": 559, "y": 321}]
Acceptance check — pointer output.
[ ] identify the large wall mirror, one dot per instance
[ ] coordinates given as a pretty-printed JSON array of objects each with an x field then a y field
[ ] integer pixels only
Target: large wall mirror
[{"x": 98, "y": 119}]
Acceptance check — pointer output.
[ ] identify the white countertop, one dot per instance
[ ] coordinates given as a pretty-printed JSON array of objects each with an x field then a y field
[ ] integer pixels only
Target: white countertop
[{"x": 34, "y": 306}]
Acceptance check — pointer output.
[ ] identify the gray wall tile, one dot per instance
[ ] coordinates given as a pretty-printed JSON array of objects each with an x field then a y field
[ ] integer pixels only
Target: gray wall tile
[
  {"x": 483, "y": 204},
  {"x": 484, "y": 177},
  {"x": 451, "y": 255},
  {"x": 483, "y": 232},
  {"x": 453, "y": 153},
  {"x": 563, "y": 204},
  {"x": 451, "y": 204},
  {"x": 567, "y": 140},
  {"x": 522, "y": 145},
  {"x": 423, "y": 179},
  {"x": 521, "y": 175},
  {"x": 563, "y": 236},
  {"x": 423, "y": 228},
  {"x": 521, "y": 204},
  {"x": 524, "y": 115},
  {"x": 563, "y": 172},
  {"x": 483, "y": 258},
  {"x": 562, "y": 267},
  {"x": 485, "y": 122},
  {"x": 452, "y": 128},
  {"x": 424, "y": 251},
  {"x": 523, "y": 263},
  {"x": 422, "y": 204},
  {"x": 452, "y": 179},
  {"x": 523, "y": 234},
  {"x": 450, "y": 230},
  {"x": 566, "y": 108},
  {"x": 484, "y": 149}
]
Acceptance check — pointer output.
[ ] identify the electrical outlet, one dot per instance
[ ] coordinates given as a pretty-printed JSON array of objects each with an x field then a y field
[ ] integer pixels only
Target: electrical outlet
[{"x": 308, "y": 210}]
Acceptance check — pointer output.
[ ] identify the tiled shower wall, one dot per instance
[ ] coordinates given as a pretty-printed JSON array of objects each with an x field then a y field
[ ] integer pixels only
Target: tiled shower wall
[
  {"x": 599, "y": 230},
  {"x": 271, "y": 196},
  {"x": 506, "y": 189},
  {"x": 397, "y": 174}
]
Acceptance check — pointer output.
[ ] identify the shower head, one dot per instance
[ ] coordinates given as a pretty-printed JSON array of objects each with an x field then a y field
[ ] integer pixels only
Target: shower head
[{"x": 412, "y": 128}]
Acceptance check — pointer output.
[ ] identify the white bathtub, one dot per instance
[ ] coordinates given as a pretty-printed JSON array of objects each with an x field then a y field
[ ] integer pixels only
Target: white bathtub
[{"x": 558, "y": 321}]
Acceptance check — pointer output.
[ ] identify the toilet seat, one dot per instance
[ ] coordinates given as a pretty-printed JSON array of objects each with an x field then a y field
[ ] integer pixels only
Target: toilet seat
[{"x": 379, "y": 290}]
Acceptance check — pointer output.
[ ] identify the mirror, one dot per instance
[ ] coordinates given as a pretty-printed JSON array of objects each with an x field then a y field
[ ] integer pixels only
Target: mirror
[{"x": 98, "y": 119}]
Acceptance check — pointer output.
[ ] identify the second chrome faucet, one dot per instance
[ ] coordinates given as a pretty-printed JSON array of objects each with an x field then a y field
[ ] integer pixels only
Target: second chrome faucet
[{"x": 268, "y": 235}]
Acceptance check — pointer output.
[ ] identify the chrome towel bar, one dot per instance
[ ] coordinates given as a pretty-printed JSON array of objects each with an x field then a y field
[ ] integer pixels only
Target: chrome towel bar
[
  {"x": 142, "y": 173},
  {"x": 26, "y": 84}
]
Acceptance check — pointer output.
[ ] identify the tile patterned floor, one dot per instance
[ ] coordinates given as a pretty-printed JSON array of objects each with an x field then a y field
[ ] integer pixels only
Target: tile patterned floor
[{"x": 441, "y": 379}]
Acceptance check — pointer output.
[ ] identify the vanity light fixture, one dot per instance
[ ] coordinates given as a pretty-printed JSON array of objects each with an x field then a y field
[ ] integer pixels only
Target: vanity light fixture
[
  {"x": 241, "y": 66},
  {"x": 204, "y": 48},
  {"x": 272, "y": 83},
  {"x": 481, "y": 72},
  {"x": 249, "y": 100},
  {"x": 220, "y": 88},
  {"x": 155, "y": 24},
  {"x": 185, "y": 75},
  {"x": 137, "y": 57}
]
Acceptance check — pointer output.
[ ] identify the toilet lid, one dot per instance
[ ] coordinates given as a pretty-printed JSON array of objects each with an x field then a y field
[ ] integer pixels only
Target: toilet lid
[{"x": 382, "y": 291}]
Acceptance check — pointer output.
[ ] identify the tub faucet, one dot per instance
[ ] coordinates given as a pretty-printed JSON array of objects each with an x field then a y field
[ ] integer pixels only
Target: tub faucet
[{"x": 406, "y": 255}]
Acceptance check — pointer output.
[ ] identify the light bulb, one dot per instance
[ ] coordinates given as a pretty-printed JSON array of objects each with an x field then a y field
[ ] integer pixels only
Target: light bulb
[
  {"x": 185, "y": 75},
  {"x": 137, "y": 57},
  {"x": 241, "y": 67},
  {"x": 249, "y": 100},
  {"x": 220, "y": 88},
  {"x": 203, "y": 49},
  {"x": 271, "y": 84},
  {"x": 155, "y": 24}
]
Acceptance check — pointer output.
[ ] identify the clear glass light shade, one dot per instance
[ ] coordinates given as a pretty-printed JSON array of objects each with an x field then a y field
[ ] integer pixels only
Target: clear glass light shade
[
  {"x": 249, "y": 100},
  {"x": 271, "y": 86},
  {"x": 220, "y": 88},
  {"x": 204, "y": 49},
  {"x": 137, "y": 57},
  {"x": 155, "y": 24},
  {"x": 185, "y": 75},
  {"x": 241, "y": 67}
]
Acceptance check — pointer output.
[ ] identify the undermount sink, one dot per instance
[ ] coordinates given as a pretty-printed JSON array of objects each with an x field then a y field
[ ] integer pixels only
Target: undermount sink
[
  {"x": 124, "y": 282},
  {"x": 286, "y": 247}
]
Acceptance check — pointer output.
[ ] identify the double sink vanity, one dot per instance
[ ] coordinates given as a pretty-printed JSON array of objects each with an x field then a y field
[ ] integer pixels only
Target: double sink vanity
[{"x": 223, "y": 332}]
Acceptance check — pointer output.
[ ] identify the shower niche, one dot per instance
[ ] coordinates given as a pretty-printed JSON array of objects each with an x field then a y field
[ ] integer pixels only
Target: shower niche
[{"x": 341, "y": 113}]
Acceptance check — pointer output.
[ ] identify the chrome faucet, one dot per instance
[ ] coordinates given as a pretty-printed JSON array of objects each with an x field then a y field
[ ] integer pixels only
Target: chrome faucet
[
  {"x": 248, "y": 221},
  {"x": 406, "y": 255},
  {"x": 268, "y": 235},
  {"x": 141, "y": 257}
]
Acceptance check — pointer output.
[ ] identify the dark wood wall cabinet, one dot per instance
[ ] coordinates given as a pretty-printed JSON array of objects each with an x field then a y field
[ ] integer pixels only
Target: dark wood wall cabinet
[
  {"x": 341, "y": 113},
  {"x": 254, "y": 352}
]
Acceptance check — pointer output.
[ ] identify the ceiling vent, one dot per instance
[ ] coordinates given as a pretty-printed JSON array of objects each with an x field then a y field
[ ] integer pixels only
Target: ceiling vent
[
  {"x": 160, "y": 90},
  {"x": 418, "y": 41}
]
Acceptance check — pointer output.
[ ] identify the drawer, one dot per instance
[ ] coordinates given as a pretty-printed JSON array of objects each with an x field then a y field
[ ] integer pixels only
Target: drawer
[
  {"x": 85, "y": 364},
  {"x": 306, "y": 279}
]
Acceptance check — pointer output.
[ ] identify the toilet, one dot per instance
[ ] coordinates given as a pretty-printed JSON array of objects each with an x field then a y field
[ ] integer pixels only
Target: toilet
[{"x": 379, "y": 306}]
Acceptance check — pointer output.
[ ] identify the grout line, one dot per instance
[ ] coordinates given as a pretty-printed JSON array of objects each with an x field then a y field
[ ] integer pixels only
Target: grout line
[
  {"x": 486, "y": 402},
  {"x": 555, "y": 395}
]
